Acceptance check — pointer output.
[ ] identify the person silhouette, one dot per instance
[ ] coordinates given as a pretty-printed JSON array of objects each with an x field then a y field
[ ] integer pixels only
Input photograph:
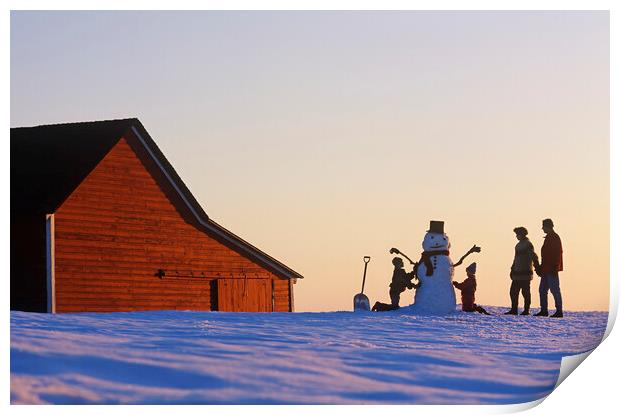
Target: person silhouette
[
  {"x": 468, "y": 291},
  {"x": 550, "y": 266},
  {"x": 521, "y": 272},
  {"x": 401, "y": 280}
]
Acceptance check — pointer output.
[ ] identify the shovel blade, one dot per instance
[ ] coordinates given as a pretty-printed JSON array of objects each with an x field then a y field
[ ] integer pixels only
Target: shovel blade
[{"x": 361, "y": 303}]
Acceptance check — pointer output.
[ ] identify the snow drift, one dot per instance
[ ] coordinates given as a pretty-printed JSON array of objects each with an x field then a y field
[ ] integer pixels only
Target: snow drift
[{"x": 292, "y": 358}]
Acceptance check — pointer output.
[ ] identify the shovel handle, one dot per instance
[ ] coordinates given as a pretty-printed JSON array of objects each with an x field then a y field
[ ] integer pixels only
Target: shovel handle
[{"x": 366, "y": 261}]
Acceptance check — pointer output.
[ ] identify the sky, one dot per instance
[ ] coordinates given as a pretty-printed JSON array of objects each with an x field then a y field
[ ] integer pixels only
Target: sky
[{"x": 321, "y": 137}]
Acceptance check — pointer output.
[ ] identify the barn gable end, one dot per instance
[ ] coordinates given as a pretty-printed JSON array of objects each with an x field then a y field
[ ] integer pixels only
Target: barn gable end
[{"x": 126, "y": 238}]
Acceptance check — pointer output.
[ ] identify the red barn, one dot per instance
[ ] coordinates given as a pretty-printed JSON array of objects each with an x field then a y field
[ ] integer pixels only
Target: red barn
[{"x": 100, "y": 221}]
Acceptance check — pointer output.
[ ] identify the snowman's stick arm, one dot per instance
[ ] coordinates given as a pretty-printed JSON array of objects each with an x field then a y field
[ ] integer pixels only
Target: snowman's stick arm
[
  {"x": 410, "y": 261},
  {"x": 471, "y": 250},
  {"x": 398, "y": 252}
]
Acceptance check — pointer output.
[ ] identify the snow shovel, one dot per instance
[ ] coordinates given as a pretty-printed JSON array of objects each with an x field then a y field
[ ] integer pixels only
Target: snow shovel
[{"x": 360, "y": 301}]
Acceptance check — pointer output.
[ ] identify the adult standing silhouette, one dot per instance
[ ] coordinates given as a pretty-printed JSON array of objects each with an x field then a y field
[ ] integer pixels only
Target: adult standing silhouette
[
  {"x": 521, "y": 272},
  {"x": 551, "y": 265}
]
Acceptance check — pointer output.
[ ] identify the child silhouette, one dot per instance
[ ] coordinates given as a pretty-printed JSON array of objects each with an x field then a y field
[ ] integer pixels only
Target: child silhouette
[{"x": 468, "y": 290}]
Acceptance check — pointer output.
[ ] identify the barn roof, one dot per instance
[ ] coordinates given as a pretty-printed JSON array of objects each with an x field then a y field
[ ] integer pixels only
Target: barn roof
[{"x": 49, "y": 162}]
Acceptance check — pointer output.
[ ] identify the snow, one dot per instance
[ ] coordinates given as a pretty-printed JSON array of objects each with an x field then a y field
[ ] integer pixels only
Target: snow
[
  {"x": 188, "y": 357},
  {"x": 436, "y": 293}
]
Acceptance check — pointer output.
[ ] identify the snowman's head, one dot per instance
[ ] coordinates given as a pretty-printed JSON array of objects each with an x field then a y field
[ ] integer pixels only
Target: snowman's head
[{"x": 436, "y": 242}]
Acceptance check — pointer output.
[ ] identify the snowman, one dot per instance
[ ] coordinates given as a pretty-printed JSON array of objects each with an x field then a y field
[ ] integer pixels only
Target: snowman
[{"x": 435, "y": 271}]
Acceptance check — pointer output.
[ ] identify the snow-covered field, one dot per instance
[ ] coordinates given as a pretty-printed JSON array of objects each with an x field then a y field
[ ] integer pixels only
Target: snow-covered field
[{"x": 292, "y": 358}]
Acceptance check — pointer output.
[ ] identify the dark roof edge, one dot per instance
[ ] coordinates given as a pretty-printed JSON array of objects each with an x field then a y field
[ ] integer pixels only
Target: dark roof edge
[
  {"x": 162, "y": 162},
  {"x": 149, "y": 144},
  {"x": 61, "y": 124},
  {"x": 251, "y": 250}
]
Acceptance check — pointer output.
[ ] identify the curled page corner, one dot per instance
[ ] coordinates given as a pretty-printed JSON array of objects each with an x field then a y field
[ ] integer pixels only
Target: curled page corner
[
  {"x": 570, "y": 363},
  {"x": 611, "y": 316},
  {"x": 567, "y": 366},
  {"x": 519, "y": 407}
]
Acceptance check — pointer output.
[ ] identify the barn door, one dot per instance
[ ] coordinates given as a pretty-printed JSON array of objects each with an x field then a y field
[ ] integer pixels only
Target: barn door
[{"x": 240, "y": 294}]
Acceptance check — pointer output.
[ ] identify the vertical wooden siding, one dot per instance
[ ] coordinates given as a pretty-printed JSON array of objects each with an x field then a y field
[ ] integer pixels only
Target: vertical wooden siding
[
  {"x": 120, "y": 226},
  {"x": 244, "y": 294}
]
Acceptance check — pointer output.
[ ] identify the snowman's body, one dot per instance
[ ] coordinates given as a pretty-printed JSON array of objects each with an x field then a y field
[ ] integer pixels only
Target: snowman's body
[{"x": 436, "y": 293}]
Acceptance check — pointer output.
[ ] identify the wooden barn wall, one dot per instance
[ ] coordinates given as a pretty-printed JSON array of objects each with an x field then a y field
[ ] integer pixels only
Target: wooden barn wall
[{"x": 119, "y": 227}]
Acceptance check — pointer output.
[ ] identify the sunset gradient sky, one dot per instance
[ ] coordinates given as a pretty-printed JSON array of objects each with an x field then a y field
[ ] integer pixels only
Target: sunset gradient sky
[{"x": 321, "y": 137}]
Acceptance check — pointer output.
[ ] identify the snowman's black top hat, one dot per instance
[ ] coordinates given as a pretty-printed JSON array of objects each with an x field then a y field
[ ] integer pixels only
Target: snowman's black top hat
[{"x": 436, "y": 227}]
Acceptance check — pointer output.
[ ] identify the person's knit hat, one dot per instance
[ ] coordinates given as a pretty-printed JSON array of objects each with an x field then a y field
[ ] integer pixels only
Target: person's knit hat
[
  {"x": 471, "y": 269},
  {"x": 396, "y": 261},
  {"x": 520, "y": 231},
  {"x": 548, "y": 222}
]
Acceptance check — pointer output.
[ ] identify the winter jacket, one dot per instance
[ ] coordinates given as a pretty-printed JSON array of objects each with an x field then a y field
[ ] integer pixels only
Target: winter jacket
[
  {"x": 551, "y": 254},
  {"x": 400, "y": 280},
  {"x": 468, "y": 290},
  {"x": 525, "y": 257}
]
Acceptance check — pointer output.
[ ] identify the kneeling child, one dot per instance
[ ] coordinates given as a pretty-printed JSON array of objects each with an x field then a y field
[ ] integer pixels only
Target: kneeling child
[{"x": 468, "y": 290}]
